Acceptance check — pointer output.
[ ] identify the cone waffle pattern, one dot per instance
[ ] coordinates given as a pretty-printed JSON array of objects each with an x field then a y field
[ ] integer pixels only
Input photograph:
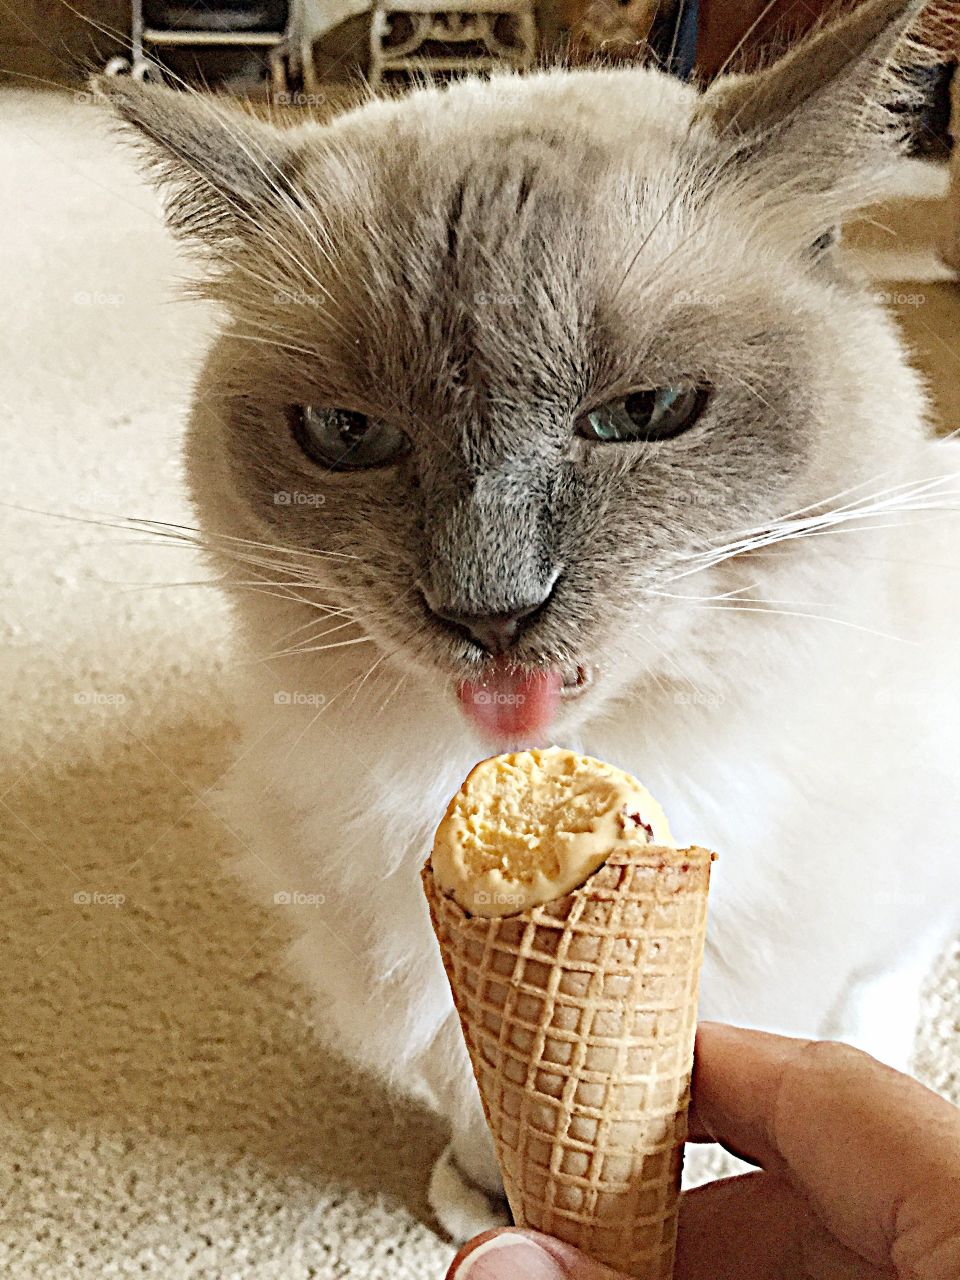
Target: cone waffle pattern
[{"x": 580, "y": 1017}]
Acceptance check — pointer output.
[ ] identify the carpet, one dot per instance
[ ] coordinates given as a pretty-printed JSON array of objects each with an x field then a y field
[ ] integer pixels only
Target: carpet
[{"x": 167, "y": 1108}]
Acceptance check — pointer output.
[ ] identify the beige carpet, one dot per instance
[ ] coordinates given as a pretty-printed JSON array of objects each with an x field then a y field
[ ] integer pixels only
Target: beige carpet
[{"x": 166, "y": 1109}]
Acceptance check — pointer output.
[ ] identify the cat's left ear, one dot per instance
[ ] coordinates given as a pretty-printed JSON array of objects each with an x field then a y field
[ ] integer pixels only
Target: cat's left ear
[
  {"x": 810, "y": 121},
  {"x": 225, "y": 174}
]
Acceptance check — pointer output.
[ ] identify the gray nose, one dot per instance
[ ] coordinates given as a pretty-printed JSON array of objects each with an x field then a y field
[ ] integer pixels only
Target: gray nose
[{"x": 494, "y": 632}]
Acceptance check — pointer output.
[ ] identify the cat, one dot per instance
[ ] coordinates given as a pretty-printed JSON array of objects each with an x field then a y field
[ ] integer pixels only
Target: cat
[{"x": 543, "y": 410}]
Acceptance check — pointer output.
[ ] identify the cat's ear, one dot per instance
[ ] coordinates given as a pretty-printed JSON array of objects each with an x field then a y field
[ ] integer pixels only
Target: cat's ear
[
  {"x": 816, "y": 111},
  {"x": 225, "y": 175}
]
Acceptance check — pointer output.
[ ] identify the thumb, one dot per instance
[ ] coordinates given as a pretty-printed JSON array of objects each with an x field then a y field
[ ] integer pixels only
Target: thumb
[{"x": 513, "y": 1254}]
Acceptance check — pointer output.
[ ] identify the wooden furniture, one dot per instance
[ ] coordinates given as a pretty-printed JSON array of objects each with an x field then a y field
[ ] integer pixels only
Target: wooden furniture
[
  {"x": 412, "y": 36},
  {"x": 143, "y": 38}
]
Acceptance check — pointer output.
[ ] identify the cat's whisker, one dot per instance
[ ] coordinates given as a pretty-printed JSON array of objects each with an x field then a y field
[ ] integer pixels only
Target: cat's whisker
[
  {"x": 334, "y": 612},
  {"x": 287, "y": 347},
  {"x": 290, "y": 597},
  {"x": 833, "y": 498},
  {"x": 340, "y": 692},
  {"x": 914, "y": 487},
  {"x": 320, "y": 648},
  {"x": 291, "y": 572},
  {"x": 281, "y": 582},
  {"x": 366, "y": 677},
  {"x": 664, "y": 654},
  {"x": 294, "y": 572},
  {"x": 309, "y": 645},
  {"x": 795, "y": 613},
  {"x": 736, "y": 596},
  {"x": 394, "y": 693},
  {"x": 650, "y": 672},
  {"x": 907, "y": 499},
  {"x": 170, "y": 531},
  {"x": 276, "y": 547}
]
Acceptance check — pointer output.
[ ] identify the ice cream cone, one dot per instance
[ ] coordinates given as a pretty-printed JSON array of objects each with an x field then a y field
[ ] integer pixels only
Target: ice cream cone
[{"x": 579, "y": 1015}]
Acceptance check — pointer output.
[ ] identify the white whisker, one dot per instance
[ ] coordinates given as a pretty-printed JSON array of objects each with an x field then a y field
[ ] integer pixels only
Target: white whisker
[{"x": 795, "y": 613}]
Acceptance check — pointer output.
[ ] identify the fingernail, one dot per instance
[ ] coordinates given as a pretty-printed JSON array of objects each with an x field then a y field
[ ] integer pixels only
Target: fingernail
[{"x": 506, "y": 1256}]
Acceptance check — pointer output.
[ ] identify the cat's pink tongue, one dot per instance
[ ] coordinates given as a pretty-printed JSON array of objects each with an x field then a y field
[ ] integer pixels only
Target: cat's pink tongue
[{"x": 510, "y": 702}]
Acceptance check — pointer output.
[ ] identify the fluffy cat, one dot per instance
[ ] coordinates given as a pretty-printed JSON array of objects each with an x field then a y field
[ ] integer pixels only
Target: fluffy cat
[{"x": 549, "y": 392}]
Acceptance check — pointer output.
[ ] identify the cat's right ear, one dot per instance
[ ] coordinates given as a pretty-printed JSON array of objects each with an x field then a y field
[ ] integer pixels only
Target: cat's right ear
[{"x": 225, "y": 175}]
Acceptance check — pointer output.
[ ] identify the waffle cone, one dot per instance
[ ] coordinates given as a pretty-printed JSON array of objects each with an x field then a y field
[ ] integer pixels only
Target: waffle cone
[{"x": 580, "y": 1017}]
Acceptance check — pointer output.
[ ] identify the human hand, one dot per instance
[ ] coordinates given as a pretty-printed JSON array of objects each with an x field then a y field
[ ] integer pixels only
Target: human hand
[{"x": 859, "y": 1175}]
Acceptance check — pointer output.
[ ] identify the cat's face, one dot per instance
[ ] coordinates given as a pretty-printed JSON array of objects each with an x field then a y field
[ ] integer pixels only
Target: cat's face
[
  {"x": 509, "y": 369},
  {"x": 491, "y": 321}
]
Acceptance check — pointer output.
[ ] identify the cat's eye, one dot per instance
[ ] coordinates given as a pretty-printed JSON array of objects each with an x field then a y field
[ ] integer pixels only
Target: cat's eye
[
  {"x": 344, "y": 440},
  {"x": 659, "y": 413}
]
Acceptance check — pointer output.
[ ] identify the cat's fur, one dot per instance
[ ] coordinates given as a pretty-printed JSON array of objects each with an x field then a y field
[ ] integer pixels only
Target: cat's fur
[{"x": 472, "y": 263}]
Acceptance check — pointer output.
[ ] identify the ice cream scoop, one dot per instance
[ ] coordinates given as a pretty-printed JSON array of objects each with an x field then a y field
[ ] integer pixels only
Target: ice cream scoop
[{"x": 530, "y": 826}]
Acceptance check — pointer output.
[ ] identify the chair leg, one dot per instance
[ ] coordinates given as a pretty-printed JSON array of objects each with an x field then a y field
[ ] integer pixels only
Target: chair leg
[
  {"x": 308, "y": 68},
  {"x": 378, "y": 30},
  {"x": 527, "y": 29}
]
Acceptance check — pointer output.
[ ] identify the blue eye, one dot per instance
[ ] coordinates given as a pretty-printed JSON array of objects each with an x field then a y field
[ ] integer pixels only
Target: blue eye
[
  {"x": 659, "y": 413},
  {"x": 344, "y": 440}
]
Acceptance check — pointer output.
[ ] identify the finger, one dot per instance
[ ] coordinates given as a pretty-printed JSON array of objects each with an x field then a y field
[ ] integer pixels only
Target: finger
[
  {"x": 758, "y": 1227},
  {"x": 512, "y": 1254},
  {"x": 876, "y": 1154},
  {"x": 737, "y": 1076},
  {"x": 737, "y": 1228}
]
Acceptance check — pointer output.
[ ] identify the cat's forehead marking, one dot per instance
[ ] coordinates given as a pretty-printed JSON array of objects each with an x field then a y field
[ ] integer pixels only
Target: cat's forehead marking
[{"x": 487, "y": 198}]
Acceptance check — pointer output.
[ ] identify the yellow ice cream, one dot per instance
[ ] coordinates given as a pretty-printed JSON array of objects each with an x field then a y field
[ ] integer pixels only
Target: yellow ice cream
[{"x": 531, "y": 826}]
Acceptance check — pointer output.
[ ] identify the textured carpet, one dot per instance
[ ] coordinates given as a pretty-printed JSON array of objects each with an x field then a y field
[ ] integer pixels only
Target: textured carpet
[{"x": 166, "y": 1108}]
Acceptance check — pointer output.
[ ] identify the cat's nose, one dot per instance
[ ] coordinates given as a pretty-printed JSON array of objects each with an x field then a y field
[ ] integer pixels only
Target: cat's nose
[{"x": 494, "y": 632}]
